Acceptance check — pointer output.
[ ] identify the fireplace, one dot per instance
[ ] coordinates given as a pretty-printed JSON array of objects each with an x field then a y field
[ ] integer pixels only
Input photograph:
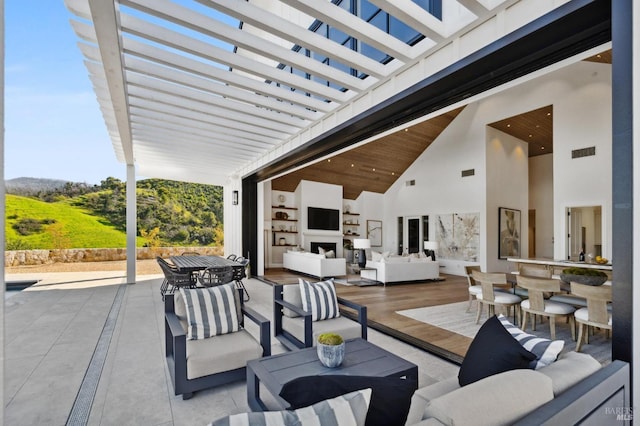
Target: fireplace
[{"x": 325, "y": 246}]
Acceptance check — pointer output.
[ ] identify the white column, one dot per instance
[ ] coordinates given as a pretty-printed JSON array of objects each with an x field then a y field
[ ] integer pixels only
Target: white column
[
  {"x": 233, "y": 218},
  {"x": 635, "y": 39},
  {"x": 2, "y": 205},
  {"x": 132, "y": 224}
]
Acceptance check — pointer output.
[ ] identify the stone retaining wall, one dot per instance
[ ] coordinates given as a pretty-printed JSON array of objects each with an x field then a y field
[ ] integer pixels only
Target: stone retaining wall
[{"x": 42, "y": 257}]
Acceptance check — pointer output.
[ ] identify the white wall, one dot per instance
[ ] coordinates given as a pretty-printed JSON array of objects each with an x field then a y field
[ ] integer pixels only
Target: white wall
[
  {"x": 507, "y": 177},
  {"x": 581, "y": 99},
  {"x": 582, "y": 118},
  {"x": 541, "y": 200}
]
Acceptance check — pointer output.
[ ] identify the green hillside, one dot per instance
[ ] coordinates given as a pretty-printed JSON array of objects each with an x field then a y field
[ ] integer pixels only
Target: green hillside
[{"x": 60, "y": 225}]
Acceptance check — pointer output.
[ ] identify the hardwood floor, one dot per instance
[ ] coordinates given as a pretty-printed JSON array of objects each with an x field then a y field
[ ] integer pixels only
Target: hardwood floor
[{"x": 383, "y": 302}]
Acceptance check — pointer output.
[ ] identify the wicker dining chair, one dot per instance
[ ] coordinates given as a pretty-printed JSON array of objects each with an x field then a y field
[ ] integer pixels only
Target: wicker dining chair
[
  {"x": 239, "y": 274},
  {"x": 216, "y": 275},
  {"x": 174, "y": 279}
]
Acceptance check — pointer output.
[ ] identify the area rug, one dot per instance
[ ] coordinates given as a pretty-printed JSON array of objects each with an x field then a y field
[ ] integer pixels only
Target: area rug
[{"x": 453, "y": 317}]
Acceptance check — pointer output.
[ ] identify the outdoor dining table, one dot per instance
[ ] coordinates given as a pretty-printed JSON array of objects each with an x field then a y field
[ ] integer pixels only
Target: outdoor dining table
[
  {"x": 195, "y": 264},
  {"x": 199, "y": 263}
]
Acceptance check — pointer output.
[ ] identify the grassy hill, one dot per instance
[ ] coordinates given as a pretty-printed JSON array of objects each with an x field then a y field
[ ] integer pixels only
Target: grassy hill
[{"x": 60, "y": 225}]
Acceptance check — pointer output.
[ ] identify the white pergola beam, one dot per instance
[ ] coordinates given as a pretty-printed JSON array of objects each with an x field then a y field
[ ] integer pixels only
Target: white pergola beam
[
  {"x": 103, "y": 15},
  {"x": 416, "y": 17},
  {"x": 280, "y": 27},
  {"x": 209, "y": 107},
  {"x": 205, "y": 25},
  {"x": 333, "y": 15},
  {"x": 218, "y": 55},
  {"x": 141, "y": 70}
]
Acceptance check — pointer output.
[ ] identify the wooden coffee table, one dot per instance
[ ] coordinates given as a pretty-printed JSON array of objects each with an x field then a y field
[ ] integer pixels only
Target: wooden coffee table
[{"x": 361, "y": 359}]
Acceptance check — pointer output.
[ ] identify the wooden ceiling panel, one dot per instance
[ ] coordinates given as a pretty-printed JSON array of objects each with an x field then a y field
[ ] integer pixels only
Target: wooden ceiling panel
[
  {"x": 373, "y": 167},
  {"x": 534, "y": 127}
]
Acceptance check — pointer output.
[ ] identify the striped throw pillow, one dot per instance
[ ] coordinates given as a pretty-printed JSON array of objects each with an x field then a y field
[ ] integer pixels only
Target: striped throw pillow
[
  {"x": 545, "y": 350},
  {"x": 348, "y": 410},
  {"x": 320, "y": 299},
  {"x": 211, "y": 311}
]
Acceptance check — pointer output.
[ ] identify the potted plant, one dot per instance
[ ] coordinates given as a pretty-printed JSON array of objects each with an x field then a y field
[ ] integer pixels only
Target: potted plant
[
  {"x": 583, "y": 276},
  {"x": 330, "y": 349}
]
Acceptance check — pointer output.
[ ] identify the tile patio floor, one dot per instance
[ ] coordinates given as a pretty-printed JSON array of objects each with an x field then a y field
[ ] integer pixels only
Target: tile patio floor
[{"x": 52, "y": 332}]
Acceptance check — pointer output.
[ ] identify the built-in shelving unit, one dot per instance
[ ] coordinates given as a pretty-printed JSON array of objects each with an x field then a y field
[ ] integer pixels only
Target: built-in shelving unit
[
  {"x": 350, "y": 226},
  {"x": 283, "y": 219}
]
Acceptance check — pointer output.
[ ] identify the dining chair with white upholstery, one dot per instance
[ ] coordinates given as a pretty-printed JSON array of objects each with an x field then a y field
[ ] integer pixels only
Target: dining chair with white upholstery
[{"x": 491, "y": 297}]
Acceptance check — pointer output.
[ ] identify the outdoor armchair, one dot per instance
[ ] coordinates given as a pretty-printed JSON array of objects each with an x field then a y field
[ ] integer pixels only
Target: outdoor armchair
[
  {"x": 198, "y": 360},
  {"x": 295, "y": 328}
]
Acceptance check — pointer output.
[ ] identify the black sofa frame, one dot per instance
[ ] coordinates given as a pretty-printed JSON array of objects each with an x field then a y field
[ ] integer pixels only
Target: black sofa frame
[
  {"x": 176, "y": 351},
  {"x": 293, "y": 343}
]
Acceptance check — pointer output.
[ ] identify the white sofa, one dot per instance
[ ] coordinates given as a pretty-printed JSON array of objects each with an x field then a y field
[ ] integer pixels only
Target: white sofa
[
  {"x": 405, "y": 268},
  {"x": 317, "y": 265}
]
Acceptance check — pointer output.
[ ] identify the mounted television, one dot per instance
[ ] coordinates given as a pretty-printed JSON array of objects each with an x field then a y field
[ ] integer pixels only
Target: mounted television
[{"x": 325, "y": 219}]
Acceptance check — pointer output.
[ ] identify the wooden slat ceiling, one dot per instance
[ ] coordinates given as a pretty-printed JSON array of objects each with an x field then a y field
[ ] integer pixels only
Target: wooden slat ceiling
[
  {"x": 534, "y": 127},
  {"x": 373, "y": 167}
]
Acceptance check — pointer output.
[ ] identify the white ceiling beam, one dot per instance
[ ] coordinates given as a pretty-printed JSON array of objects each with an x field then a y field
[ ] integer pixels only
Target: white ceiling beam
[
  {"x": 259, "y": 133},
  {"x": 192, "y": 67},
  {"x": 162, "y": 92},
  {"x": 474, "y": 6},
  {"x": 174, "y": 141},
  {"x": 331, "y": 14},
  {"x": 187, "y": 18},
  {"x": 103, "y": 15},
  {"x": 181, "y": 80},
  {"x": 280, "y": 27},
  {"x": 215, "y": 54},
  {"x": 416, "y": 17},
  {"x": 155, "y": 121}
]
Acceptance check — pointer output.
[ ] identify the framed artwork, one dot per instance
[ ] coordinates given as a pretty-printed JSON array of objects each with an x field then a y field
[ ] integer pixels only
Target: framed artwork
[
  {"x": 509, "y": 232},
  {"x": 374, "y": 232}
]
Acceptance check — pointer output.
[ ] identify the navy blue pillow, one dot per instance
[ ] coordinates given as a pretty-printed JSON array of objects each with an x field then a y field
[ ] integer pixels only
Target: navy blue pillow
[
  {"x": 390, "y": 396},
  {"x": 492, "y": 351}
]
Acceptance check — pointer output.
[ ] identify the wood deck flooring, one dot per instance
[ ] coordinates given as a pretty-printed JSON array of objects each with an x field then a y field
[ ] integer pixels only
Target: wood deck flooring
[{"x": 383, "y": 302}]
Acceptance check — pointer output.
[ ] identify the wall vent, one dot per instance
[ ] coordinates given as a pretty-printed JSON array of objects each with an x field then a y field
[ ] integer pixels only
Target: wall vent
[
  {"x": 470, "y": 172},
  {"x": 411, "y": 182},
  {"x": 584, "y": 152}
]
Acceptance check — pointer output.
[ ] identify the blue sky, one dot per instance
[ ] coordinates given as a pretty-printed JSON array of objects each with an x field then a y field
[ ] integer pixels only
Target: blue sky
[{"x": 53, "y": 125}]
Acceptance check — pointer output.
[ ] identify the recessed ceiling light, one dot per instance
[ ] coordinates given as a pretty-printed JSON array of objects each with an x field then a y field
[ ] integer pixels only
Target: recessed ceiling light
[
  {"x": 351, "y": 165},
  {"x": 406, "y": 130},
  {"x": 393, "y": 173},
  {"x": 329, "y": 160},
  {"x": 548, "y": 114},
  {"x": 508, "y": 125},
  {"x": 373, "y": 169},
  {"x": 542, "y": 147},
  {"x": 530, "y": 136}
]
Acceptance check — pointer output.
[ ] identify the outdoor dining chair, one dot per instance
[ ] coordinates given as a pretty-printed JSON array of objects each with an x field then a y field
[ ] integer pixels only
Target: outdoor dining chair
[
  {"x": 239, "y": 274},
  {"x": 216, "y": 275},
  {"x": 173, "y": 279}
]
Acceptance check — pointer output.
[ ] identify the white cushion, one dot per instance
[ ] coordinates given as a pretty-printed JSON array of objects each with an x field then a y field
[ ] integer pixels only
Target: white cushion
[
  {"x": 349, "y": 409},
  {"x": 343, "y": 326},
  {"x": 552, "y": 307},
  {"x": 582, "y": 314},
  {"x": 475, "y": 290},
  {"x": 320, "y": 299},
  {"x": 500, "y": 399},
  {"x": 211, "y": 311},
  {"x": 291, "y": 294},
  {"x": 221, "y": 353},
  {"x": 503, "y": 298},
  {"x": 330, "y": 254},
  {"x": 376, "y": 256}
]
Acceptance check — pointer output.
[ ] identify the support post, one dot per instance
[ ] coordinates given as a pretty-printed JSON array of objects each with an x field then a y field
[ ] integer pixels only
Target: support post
[{"x": 132, "y": 224}]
